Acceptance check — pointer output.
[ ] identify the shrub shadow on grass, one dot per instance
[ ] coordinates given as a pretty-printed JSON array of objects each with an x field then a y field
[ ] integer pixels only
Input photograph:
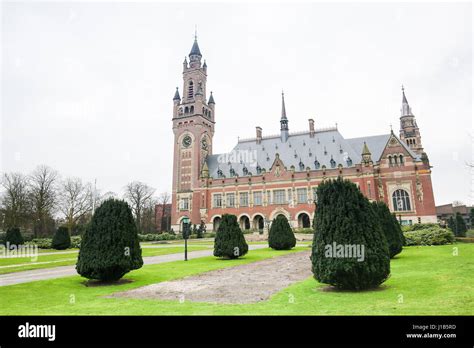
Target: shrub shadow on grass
[
  {"x": 97, "y": 283},
  {"x": 330, "y": 288}
]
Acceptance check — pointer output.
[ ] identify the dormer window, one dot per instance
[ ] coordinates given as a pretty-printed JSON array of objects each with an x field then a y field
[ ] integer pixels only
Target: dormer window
[
  {"x": 245, "y": 170},
  {"x": 219, "y": 173},
  {"x": 333, "y": 163},
  {"x": 259, "y": 169},
  {"x": 301, "y": 164},
  {"x": 232, "y": 172},
  {"x": 317, "y": 164},
  {"x": 349, "y": 161}
]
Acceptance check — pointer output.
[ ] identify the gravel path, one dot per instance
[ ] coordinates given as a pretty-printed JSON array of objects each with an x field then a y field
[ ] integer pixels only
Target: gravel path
[
  {"x": 248, "y": 283},
  {"x": 65, "y": 271}
]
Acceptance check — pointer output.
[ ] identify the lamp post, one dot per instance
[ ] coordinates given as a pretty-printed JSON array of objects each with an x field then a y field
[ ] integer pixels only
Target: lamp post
[{"x": 185, "y": 236}]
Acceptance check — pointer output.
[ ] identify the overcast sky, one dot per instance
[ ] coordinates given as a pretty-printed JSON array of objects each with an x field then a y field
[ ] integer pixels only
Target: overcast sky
[{"x": 87, "y": 88}]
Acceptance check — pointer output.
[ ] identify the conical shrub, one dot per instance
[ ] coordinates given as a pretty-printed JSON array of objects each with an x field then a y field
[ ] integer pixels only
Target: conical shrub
[
  {"x": 390, "y": 227},
  {"x": 110, "y": 247},
  {"x": 61, "y": 239},
  {"x": 349, "y": 249},
  {"x": 230, "y": 241},
  {"x": 13, "y": 237},
  {"x": 281, "y": 236}
]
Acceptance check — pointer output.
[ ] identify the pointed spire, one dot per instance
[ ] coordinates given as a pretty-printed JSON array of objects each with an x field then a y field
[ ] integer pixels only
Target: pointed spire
[
  {"x": 283, "y": 121},
  {"x": 211, "y": 99},
  {"x": 283, "y": 109},
  {"x": 366, "y": 155},
  {"x": 365, "y": 149},
  {"x": 406, "y": 110},
  {"x": 176, "y": 95},
  {"x": 195, "y": 51}
]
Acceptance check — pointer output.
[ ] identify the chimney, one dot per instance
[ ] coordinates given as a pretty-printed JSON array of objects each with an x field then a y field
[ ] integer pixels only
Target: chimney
[
  {"x": 259, "y": 134},
  {"x": 311, "y": 128}
]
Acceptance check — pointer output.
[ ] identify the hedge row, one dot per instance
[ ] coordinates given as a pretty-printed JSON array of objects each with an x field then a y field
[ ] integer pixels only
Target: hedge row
[{"x": 433, "y": 235}]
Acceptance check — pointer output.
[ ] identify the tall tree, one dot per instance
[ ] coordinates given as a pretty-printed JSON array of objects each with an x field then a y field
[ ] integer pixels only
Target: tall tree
[
  {"x": 75, "y": 200},
  {"x": 138, "y": 195},
  {"x": 148, "y": 221},
  {"x": 460, "y": 226},
  {"x": 15, "y": 200},
  {"x": 471, "y": 217},
  {"x": 43, "y": 198}
]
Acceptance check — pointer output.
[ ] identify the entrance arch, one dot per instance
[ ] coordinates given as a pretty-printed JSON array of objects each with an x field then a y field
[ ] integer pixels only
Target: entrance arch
[
  {"x": 258, "y": 223},
  {"x": 304, "y": 221},
  {"x": 244, "y": 222}
]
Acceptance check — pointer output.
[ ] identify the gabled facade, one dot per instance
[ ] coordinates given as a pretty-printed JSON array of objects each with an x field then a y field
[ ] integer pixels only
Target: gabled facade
[{"x": 265, "y": 176}]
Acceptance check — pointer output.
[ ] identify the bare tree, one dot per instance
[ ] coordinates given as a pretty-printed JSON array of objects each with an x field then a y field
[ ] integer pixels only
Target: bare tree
[
  {"x": 43, "y": 197},
  {"x": 138, "y": 195},
  {"x": 75, "y": 200},
  {"x": 15, "y": 203},
  {"x": 163, "y": 200}
]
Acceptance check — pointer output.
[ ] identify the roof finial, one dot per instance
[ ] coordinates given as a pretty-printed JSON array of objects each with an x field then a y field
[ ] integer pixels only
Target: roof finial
[{"x": 195, "y": 32}]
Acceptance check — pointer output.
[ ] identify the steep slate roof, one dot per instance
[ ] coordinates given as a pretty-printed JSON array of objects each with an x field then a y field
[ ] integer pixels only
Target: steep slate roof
[
  {"x": 300, "y": 144},
  {"x": 195, "y": 49}
]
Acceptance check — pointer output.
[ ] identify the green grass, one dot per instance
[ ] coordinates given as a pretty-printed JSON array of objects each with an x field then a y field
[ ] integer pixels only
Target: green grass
[
  {"x": 429, "y": 280},
  {"x": 56, "y": 260}
]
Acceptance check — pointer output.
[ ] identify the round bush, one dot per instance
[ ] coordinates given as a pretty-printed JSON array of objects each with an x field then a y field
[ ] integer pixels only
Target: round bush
[
  {"x": 349, "y": 248},
  {"x": 390, "y": 227},
  {"x": 61, "y": 239},
  {"x": 13, "y": 237},
  {"x": 110, "y": 246},
  {"x": 230, "y": 241},
  {"x": 281, "y": 236},
  {"x": 430, "y": 236}
]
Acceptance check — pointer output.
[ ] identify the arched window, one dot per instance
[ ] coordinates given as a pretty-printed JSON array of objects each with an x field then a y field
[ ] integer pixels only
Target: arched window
[
  {"x": 401, "y": 160},
  {"x": 186, "y": 110},
  {"x": 190, "y": 89},
  {"x": 191, "y": 110},
  {"x": 395, "y": 161},
  {"x": 401, "y": 200},
  {"x": 390, "y": 161},
  {"x": 209, "y": 114}
]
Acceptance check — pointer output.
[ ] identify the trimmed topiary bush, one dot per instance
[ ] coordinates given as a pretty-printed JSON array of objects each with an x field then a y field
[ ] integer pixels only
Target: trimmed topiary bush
[
  {"x": 13, "y": 238},
  {"x": 230, "y": 241},
  {"x": 110, "y": 246},
  {"x": 390, "y": 227},
  {"x": 349, "y": 249},
  {"x": 281, "y": 236},
  {"x": 61, "y": 239},
  {"x": 430, "y": 236}
]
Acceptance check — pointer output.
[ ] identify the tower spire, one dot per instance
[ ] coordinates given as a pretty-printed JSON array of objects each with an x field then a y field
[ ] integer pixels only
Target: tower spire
[
  {"x": 283, "y": 109},
  {"x": 406, "y": 110},
  {"x": 283, "y": 120}
]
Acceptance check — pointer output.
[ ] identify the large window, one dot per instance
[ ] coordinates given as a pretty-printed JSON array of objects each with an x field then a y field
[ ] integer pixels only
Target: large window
[
  {"x": 279, "y": 197},
  {"x": 230, "y": 200},
  {"x": 269, "y": 197},
  {"x": 217, "y": 201},
  {"x": 302, "y": 194},
  {"x": 257, "y": 198},
  {"x": 401, "y": 200},
  {"x": 184, "y": 204},
  {"x": 244, "y": 199}
]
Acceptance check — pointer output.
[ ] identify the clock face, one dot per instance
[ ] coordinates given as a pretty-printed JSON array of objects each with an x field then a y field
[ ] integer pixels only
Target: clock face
[
  {"x": 204, "y": 143},
  {"x": 187, "y": 141}
]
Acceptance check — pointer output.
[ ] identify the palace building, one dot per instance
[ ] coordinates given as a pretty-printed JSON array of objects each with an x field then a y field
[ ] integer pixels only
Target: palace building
[{"x": 268, "y": 175}]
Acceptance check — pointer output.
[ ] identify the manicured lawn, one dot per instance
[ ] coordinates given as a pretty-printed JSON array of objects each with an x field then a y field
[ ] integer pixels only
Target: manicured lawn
[
  {"x": 424, "y": 281},
  {"x": 56, "y": 260}
]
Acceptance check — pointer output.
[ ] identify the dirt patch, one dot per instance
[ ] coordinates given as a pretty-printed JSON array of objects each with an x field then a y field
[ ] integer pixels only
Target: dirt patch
[{"x": 248, "y": 283}]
